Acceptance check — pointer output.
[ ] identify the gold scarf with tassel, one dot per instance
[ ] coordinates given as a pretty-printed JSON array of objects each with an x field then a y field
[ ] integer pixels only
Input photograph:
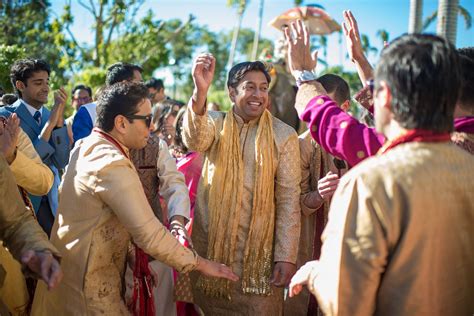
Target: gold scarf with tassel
[{"x": 225, "y": 203}]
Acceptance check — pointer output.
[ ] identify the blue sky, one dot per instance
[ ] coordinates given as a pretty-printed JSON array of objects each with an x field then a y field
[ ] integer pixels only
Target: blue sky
[{"x": 372, "y": 15}]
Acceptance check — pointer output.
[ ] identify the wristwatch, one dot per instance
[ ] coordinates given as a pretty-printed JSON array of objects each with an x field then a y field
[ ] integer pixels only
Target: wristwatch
[{"x": 303, "y": 76}]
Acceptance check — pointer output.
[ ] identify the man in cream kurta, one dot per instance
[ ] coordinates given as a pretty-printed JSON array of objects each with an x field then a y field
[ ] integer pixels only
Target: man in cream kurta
[
  {"x": 102, "y": 207},
  {"x": 202, "y": 132},
  {"x": 400, "y": 234}
]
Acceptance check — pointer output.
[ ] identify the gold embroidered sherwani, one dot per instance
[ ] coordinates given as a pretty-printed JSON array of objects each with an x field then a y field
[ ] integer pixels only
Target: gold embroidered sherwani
[
  {"x": 36, "y": 178},
  {"x": 399, "y": 239},
  {"x": 19, "y": 230},
  {"x": 315, "y": 164},
  {"x": 201, "y": 134},
  {"x": 102, "y": 206}
]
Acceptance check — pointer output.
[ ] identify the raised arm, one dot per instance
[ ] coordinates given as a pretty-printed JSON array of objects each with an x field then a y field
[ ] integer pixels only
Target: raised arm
[
  {"x": 354, "y": 48},
  {"x": 198, "y": 128}
]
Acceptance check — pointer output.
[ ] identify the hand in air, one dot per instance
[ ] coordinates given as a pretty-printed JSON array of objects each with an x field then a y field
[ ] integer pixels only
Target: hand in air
[
  {"x": 299, "y": 53},
  {"x": 203, "y": 72}
]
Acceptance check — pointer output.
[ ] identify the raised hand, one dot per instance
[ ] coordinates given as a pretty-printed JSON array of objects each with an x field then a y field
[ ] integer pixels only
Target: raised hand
[
  {"x": 215, "y": 269},
  {"x": 351, "y": 32},
  {"x": 327, "y": 185},
  {"x": 60, "y": 97},
  {"x": 299, "y": 54},
  {"x": 9, "y": 131},
  {"x": 282, "y": 273},
  {"x": 44, "y": 265},
  {"x": 203, "y": 72},
  {"x": 354, "y": 47}
]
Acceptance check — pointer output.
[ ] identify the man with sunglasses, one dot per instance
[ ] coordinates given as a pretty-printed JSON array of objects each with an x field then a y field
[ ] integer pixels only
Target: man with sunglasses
[{"x": 103, "y": 207}]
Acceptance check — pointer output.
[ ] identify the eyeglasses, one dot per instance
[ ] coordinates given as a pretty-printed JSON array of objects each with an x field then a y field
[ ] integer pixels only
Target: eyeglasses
[
  {"x": 371, "y": 85},
  {"x": 146, "y": 118},
  {"x": 85, "y": 99}
]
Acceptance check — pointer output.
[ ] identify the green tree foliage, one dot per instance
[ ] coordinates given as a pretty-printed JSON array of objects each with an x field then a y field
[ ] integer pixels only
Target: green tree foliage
[
  {"x": 8, "y": 54},
  {"x": 28, "y": 26}
]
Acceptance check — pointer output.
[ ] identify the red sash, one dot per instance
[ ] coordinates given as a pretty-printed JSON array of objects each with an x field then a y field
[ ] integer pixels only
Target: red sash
[
  {"x": 142, "y": 279},
  {"x": 415, "y": 135}
]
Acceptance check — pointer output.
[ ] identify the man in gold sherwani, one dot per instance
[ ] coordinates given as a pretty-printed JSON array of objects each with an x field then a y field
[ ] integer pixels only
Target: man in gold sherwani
[
  {"x": 103, "y": 206},
  {"x": 34, "y": 177},
  {"x": 21, "y": 233},
  {"x": 247, "y": 208},
  {"x": 400, "y": 234},
  {"x": 320, "y": 175}
]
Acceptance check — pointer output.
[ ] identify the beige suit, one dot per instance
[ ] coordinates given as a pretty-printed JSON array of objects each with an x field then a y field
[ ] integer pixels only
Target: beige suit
[
  {"x": 19, "y": 230},
  {"x": 400, "y": 236},
  {"x": 201, "y": 133},
  {"x": 102, "y": 206}
]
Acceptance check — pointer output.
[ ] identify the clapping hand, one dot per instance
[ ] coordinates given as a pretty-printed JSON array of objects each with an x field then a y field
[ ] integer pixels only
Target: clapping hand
[
  {"x": 9, "y": 131},
  {"x": 299, "y": 54},
  {"x": 60, "y": 97}
]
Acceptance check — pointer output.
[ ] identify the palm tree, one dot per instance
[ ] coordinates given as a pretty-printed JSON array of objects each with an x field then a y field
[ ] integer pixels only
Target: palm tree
[
  {"x": 383, "y": 35},
  {"x": 298, "y": 2},
  {"x": 323, "y": 41},
  {"x": 366, "y": 47},
  {"x": 258, "y": 30},
  {"x": 241, "y": 5},
  {"x": 444, "y": 20},
  {"x": 416, "y": 12}
]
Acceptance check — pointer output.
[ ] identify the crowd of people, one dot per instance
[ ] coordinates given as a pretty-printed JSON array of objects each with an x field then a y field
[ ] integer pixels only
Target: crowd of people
[{"x": 140, "y": 204}]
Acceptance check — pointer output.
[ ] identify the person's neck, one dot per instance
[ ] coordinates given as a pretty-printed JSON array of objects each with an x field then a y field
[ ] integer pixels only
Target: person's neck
[
  {"x": 461, "y": 112},
  {"x": 393, "y": 130},
  {"x": 37, "y": 105},
  {"x": 119, "y": 137}
]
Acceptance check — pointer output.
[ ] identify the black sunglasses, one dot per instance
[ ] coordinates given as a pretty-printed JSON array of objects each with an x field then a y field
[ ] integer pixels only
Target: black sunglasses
[{"x": 146, "y": 118}]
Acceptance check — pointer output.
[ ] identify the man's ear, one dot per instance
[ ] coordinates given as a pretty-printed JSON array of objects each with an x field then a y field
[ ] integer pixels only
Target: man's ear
[
  {"x": 384, "y": 95},
  {"x": 120, "y": 124},
  {"x": 20, "y": 85},
  {"x": 232, "y": 93},
  {"x": 345, "y": 105}
]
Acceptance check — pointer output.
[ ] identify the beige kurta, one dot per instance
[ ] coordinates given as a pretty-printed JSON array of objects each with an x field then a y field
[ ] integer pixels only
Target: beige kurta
[
  {"x": 315, "y": 162},
  {"x": 201, "y": 133},
  {"x": 400, "y": 236},
  {"x": 102, "y": 205}
]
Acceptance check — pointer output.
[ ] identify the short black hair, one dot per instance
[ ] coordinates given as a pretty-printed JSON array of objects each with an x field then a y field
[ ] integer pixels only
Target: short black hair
[
  {"x": 155, "y": 83},
  {"x": 466, "y": 94},
  {"x": 237, "y": 72},
  {"x": 422, "y": 72},
  {"x": 121, "y": 98},
  {"x": 467, "y": 51},
  {"x": 82, "y": 87},
  {"x": 23, "y": 69},
  {"x": 337, "y": 85},
  {"x": 121, "y": 72}
]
